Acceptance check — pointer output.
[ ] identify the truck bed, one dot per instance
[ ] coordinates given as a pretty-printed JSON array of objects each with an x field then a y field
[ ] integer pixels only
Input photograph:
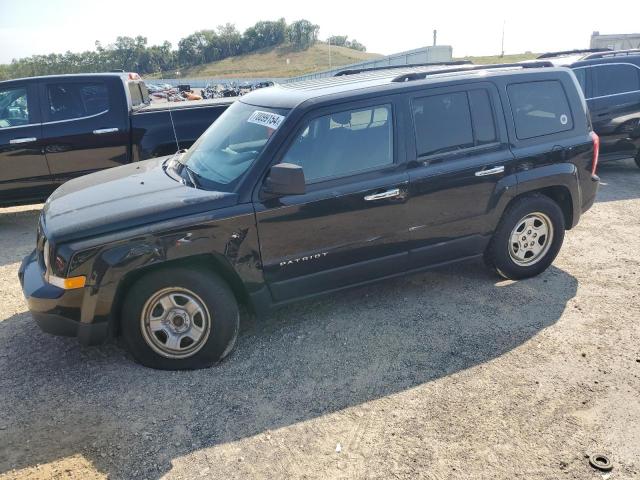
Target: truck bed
[{"x": 154, "y": 107}]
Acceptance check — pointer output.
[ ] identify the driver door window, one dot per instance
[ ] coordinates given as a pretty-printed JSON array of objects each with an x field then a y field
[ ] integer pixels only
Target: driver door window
[
  {"x": 344, "y": 143},
  {"x": 14, "y": 109}
]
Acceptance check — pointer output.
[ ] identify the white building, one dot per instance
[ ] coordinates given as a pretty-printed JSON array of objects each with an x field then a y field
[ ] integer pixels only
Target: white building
[{"x": 622, "y": 41}]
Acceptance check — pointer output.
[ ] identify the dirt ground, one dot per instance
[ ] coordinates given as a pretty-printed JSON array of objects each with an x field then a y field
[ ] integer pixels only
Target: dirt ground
[{"x": 444, "y": 375}]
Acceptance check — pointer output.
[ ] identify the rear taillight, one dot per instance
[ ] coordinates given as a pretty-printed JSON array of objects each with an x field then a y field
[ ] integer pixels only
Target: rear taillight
[{"x": 596, "y": 152}]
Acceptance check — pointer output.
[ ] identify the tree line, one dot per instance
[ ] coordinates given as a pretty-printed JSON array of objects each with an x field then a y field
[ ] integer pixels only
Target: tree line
[{"x": 204, "y": 46}]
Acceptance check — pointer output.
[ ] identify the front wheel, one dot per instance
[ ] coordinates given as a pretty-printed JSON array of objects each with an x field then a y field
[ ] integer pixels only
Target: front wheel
[
  {"x": 178, "y": 318},
  {"x": 528, "y": 237}
]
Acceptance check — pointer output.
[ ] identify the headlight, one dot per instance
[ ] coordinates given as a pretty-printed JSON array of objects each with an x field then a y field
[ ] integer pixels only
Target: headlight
[
  {"x": 65, "y": 283},
  {"x": 47, "y": 257}
]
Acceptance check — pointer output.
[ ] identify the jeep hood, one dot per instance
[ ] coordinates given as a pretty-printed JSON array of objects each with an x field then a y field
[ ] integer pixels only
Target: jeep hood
[{"x": 124, "y": 197}]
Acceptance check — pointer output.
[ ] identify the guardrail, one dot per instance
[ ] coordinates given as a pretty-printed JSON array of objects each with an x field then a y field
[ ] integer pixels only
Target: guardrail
[{"x": 437, "y": 53}]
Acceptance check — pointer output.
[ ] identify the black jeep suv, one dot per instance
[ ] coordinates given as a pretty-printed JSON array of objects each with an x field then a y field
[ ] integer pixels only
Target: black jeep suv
[
  {"x": 309, "y": 188},
  {"x": 610, "y": 80}
]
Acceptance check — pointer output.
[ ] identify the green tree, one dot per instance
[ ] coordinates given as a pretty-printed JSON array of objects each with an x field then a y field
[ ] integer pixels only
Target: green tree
[
  {"x": 343, "y": 41},
  {"x": 337, "y": 40},
  {"x": 355, "y": 45},
  {"x": 229, "y": 40},
  {"x": 302, "y": 34},
  {"x": 263, "y": 35}
]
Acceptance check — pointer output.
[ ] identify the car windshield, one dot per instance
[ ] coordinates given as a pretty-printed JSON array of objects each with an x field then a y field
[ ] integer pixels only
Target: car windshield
[{"x": 231, "y": 144}]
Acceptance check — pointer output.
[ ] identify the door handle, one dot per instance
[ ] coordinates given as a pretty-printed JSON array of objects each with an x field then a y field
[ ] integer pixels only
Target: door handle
[
  {"x": 394, "y": 192},
  {"x": 15, "y": 141},
  {"x": 490, "y": 171},
  {"x": 102, "y": 131}
]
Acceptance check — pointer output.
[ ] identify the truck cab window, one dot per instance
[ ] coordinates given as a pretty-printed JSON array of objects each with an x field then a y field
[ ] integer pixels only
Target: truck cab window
[
  {"x": 14, "y": 110},
  {"x": 67, "y": 101},
  {"x": 344, "y": 143}
]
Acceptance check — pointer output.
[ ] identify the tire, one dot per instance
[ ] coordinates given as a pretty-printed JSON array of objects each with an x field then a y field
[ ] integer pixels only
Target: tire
[
  {"x": 180, "y": 319},
  {"x": 529, "y": 254}
]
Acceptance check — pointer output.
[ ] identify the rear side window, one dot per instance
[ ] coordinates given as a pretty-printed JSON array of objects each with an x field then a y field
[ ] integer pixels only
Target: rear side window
[
  {"x": 67, "y": 101},
  {"x": 344, "y": 143},
  {"x": 539, "y": 108},
  {"x": 453, "y": 121},
  {"x": 615, "y": 79}
]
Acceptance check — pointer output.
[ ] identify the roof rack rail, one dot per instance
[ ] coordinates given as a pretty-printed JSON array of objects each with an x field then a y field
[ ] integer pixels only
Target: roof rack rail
[
  {"x": 613, "y": 53},
  {"x": 354, "y": 71},
  {"x": 572, "y": 52},
  {"x": 420, "y": 75}
]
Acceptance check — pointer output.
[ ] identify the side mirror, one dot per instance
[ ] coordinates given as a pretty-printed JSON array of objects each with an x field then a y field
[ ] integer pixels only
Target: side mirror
[{"x": 285, "y": 179}]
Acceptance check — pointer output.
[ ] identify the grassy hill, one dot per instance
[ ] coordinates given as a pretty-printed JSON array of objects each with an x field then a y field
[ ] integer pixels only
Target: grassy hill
[{"x": 273, "y": 62}]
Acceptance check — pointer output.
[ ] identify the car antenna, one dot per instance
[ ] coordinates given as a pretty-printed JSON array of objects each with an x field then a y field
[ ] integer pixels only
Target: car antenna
[{"x": 173, "y": 126}]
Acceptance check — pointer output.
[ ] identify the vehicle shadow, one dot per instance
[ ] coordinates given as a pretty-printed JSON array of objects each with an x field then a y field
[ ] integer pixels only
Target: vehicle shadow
[
  {"x": 619, "y": 180},
  {"x": 304, "y": 361},
  {"x": 17, "y": 232}
]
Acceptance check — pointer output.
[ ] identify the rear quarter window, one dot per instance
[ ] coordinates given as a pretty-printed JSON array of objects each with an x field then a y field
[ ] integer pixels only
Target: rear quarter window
[
  {"x": 539, "y": 108},
  {"x": 137, "y": 97}
]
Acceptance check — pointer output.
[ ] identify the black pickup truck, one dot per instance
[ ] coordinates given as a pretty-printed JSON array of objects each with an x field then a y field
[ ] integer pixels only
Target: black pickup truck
[
  {"x": 313, "y": 187},
  {"x": 55, "y": 128}
]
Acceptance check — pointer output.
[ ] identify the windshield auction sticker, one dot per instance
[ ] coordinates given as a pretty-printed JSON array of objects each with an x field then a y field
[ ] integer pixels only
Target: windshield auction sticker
[{"x": 266, "y": 119}]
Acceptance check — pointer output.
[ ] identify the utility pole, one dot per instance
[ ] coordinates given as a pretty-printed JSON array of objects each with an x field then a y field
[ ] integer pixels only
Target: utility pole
[
  {"x": 435, "y": 37},
  {"x": 329, "y": 41},
  {"x": 502, "y": 49}
]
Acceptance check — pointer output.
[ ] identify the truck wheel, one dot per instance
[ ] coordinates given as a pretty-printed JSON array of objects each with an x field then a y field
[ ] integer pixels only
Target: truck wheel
[
  {"x": 179, "y": 319},
  {"x": 528, "y": 238}
]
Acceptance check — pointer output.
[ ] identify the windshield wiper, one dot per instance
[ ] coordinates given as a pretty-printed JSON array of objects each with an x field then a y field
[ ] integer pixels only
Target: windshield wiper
[
  {"x": 173, "y": 162},
  {"x": 176, "y": 166},
  {"x": 191, "y": 174}
]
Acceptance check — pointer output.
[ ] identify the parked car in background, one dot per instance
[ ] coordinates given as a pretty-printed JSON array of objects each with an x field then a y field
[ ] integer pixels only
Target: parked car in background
[
  {"x": 55, "y": 128},
  {"x": 313, "y": 187},
  {"x": 610, "y": 80},
  {"x": 265, "y": 84}
]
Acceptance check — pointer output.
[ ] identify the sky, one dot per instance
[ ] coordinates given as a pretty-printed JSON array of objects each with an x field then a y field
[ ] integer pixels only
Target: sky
[{"x": 29, "y": 27}]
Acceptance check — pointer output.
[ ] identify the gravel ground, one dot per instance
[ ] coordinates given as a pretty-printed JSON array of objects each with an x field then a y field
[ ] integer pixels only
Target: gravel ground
[{"x": 447, "y": 374}]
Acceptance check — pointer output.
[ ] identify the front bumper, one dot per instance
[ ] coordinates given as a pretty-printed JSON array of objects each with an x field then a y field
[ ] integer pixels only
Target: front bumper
[{"x": 55, "y": 310}]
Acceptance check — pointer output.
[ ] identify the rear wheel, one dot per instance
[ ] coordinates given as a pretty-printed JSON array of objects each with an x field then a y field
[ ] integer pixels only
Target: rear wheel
[
  {"x": 180, "y": 318},
  {"x": 528, "y": 237}
]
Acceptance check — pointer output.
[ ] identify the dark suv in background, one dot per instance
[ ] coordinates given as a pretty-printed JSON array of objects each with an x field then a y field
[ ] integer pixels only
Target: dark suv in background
[
  {"x": 610, "y": 80},
  {"x": 311, "y": 187}
]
